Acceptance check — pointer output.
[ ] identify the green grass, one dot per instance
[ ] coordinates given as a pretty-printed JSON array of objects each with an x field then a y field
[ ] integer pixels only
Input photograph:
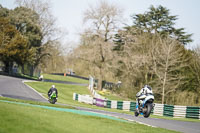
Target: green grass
[
  {"x": 27, "y": 76},
  {"x": 108, "y": 94},
  {"x": 65, "y": 94},
  {"x": 65, "y": 91},
  {"x": 65, "y": 78},
  {"x": 27, "y": 119},
  {"x": 36, "y": 102}
]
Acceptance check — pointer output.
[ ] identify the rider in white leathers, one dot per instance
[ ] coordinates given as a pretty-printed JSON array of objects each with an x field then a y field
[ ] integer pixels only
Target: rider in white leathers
[{"x": 142, "y": 94}]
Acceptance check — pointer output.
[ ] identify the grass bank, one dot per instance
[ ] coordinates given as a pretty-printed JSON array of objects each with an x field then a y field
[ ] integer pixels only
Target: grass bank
[
  {"x": 65, "y": 78},
  {"x": 23, "y": 119},
  {"x": 65, "y": 93}
]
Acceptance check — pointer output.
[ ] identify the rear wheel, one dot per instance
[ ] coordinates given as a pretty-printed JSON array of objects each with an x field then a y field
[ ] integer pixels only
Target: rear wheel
[
  {"x": 53, "y": 100},
  {"x": 148, "y": 107}
]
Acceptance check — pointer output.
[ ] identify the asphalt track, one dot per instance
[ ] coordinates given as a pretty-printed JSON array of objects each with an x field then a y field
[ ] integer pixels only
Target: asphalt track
[{"x": 15, "y": 88}]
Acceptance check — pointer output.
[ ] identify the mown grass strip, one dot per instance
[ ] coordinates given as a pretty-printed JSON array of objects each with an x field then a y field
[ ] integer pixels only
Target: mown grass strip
[
  {"x": 66, "y": 110},
  {"x": 16, "y": 118},
  {"x": 65, "y": 78}
]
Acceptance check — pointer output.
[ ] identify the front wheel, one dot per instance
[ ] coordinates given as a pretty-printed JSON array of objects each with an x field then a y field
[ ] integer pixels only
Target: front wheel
[
  {"x": 136, "y": 113},
  {"x": 148, "y": 107}
]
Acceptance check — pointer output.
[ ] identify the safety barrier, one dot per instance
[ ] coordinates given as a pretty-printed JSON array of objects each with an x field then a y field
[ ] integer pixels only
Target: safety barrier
[
  {"x": 100, "y": 102},
  {"x": 126, "y": 105},
  {"x": 83, "y": 98},
  {"x": 179, "y": 111},
  {"x": 113, "y": 104},
  {"x": 159, "y": 109},
  {"x": 108, "y": 104},
  {"x": 132, "y": 106},
  {"x": 193, "y": 112},
  {"x": 168, "y": 110}
]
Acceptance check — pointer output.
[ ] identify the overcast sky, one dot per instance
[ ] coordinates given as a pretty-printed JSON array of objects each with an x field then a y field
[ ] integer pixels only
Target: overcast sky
[{"x": 69, "y": 13}]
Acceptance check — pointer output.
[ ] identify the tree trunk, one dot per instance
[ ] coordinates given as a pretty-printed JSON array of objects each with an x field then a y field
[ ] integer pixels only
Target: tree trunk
[
  {"x": 100, "y": 79},
  {"x": 163, "y": 89},
  {"x": 22, "y": 68},
  {"x": 7, "y": 65},
  {"x": 31, "y": 70},
  {"x": 165, "y": 75},
  {"x": 10, "y": 67}
]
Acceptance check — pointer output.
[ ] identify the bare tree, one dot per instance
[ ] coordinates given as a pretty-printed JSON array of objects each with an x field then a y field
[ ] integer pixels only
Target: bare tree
[
  {"x": 97, "y": 54},
  {"x": 133, "y": 61},
  {"x": 168, "y": 62},
  {"x": 105, "y": 19},
  {"x": 55, "y": 62},
  {"x": 149, "y": 59}
]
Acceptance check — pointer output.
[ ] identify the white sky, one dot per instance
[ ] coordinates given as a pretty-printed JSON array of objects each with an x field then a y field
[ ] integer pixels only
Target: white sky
[{"x": 69, "y": 13}]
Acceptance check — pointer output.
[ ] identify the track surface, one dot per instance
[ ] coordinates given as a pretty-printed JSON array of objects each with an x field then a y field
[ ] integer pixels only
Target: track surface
[{"x": 14, "y": 88}]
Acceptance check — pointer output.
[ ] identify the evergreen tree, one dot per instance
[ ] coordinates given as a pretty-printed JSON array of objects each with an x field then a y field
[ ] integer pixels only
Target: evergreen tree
[
  {"x": 159, "y": 20},
  {"x": 13, "y": 46},
  {"x": 26, "y": 22}
]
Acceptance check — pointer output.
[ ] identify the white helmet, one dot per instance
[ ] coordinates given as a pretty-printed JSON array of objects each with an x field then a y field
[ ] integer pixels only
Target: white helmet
[
  {"x": 148, "y": 87},
  {"x": 53, "y": 86}
]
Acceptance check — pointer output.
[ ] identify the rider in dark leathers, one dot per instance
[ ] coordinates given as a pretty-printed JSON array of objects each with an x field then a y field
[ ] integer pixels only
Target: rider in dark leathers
[{"x": 52, "y": 89}]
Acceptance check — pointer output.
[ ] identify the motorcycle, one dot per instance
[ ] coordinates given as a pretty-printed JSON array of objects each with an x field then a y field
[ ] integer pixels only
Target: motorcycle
[
  {"x": 145, "y": 106},
  {"x": 53, "y": 98}
]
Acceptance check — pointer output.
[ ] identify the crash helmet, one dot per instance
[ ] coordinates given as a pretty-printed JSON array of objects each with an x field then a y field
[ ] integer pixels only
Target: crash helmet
[{"x": 148, "y": 87}]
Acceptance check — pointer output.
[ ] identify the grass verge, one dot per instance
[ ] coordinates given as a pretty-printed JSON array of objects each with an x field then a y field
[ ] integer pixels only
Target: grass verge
[
  {"x": 23, "y": 119},
  {"x": 65, "y": 94},
  {"x": 65, "y": 78}
]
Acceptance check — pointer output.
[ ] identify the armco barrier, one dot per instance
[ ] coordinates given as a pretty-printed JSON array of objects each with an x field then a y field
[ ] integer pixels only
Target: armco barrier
[
  {"x": 83, "y": 98},
  {"x": 108, "y": 104},
  {"x": 199, "y": 113},
  {"x": 119, "y": 105},
  {"x": 113, "y": 104},
  {"x": 179, "y": 111},
  {"x": 126, "y": 105},
  {"x": 74, "y": 96},
  {"x": 132, "y": 106},
  {"x": 99, "y": 102},
  {"x": 159, "y": 109},
  {"x": 77, "y": 97},
  {"x": 168, "y": 110},
  {"x": 192, "y": 112}
]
